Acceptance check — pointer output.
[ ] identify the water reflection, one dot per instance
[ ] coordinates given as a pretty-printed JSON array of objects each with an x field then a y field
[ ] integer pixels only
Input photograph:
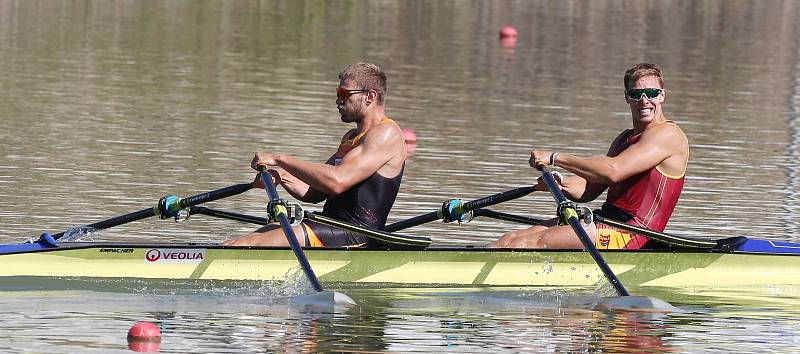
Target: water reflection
[
  {"x": 152, "y": 98},
  {"x": 471, "y": 320},
  {"x": 107, "y": 106},
  {"x": 793, "y": 154}
]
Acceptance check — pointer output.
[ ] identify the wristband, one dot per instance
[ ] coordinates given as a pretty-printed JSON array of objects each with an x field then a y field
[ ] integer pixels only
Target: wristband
[{"x": 553, "y": 159}]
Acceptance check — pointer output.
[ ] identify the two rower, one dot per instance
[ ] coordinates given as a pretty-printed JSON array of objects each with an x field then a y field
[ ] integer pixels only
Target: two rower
[{"x": 643, "y": 171}]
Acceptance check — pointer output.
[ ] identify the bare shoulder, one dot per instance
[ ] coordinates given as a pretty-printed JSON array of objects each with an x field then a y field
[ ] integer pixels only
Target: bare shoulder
[
  {"x": 670, "y": 140},
  {"x": 384, "y": 134},
  {"x": 667, "y": 133},
  {"x": 387, "y": 140}
]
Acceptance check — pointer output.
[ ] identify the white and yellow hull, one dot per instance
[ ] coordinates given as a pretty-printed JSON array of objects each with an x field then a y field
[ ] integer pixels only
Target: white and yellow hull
[{"x": 439, "y": 267}]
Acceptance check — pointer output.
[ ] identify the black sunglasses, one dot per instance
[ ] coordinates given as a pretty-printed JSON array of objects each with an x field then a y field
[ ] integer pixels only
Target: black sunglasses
[
  {"x": 343, "y": 93},
  {"x": 650, "y": 93}
]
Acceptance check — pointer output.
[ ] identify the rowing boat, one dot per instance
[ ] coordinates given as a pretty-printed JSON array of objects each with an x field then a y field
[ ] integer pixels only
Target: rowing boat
[
  {"x": 754, "y": 263},
  {"x": 404, "y": 261}
]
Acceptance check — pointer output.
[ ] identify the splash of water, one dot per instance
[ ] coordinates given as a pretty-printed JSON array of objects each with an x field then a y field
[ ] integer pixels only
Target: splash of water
[{"x": 78, "y": 234}]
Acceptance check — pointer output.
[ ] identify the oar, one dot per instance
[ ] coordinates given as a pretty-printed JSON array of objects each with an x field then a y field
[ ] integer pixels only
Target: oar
[
  {"x": 570, "y": 215},
  {"x": 278, "y": 206},
  {"x": 168, "y": 206},
  {"x": 389, "y": 240},
  {"x": 508, "y": 217},
  {"x": 460, "y": 209},
  {"x": 725, "y": 244}
]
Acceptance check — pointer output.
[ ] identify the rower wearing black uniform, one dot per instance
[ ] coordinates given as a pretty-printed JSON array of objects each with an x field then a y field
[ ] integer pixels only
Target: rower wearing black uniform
[{"x": 359, "y": 182}]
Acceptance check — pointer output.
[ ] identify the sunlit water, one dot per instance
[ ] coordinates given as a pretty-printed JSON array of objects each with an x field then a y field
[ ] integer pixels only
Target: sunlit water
[{"x": 107, "y": 106}]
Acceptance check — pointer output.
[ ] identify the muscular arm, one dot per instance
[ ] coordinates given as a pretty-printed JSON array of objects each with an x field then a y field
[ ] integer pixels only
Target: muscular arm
[
  {"x": 578, "y": 190},
  {"x": 663, "y": 145},
  {"x": 380, "y": 146},
  {"x": 299, "y": 189}
]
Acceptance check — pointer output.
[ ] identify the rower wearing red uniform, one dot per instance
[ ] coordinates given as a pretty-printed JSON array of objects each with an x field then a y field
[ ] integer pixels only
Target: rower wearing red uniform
[
  {"x": 359, "y": 183},
  {"x": 643, "y": 172}
]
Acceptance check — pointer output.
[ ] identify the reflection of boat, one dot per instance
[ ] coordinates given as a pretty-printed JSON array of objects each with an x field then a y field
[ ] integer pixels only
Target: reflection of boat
[
  {"x": 440, "y": 267},
  {"x": 793, "y": 155}
]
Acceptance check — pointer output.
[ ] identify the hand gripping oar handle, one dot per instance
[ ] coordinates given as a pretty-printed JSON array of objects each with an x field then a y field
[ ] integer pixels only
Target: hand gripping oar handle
[
  {"x": 569, "y": 215},
  {"x": 278, "y": 210},
  {"x": 465, "y": 208},
  {"x": 178, "y": 204}
]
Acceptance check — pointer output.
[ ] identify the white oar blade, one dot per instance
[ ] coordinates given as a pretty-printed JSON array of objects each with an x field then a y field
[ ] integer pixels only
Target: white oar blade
[
  {"x": 637, "y": 304},
  {"x": 323, "y": 301}
]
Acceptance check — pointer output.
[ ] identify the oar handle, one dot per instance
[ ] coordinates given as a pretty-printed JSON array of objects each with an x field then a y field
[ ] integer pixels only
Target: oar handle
[
  {"x": 570, "y": 215},
  {"x": 279, "y": 211}
]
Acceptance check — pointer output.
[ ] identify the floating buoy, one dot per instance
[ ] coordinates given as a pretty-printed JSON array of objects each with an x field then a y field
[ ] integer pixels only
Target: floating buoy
[
  {"x": 411, "y": 140},
  {"x": 508, "y": 32},
  {"x": 144, "y": 331},
  {"x": 508, "y": 36},
  {"x": 411, "y": 137}
]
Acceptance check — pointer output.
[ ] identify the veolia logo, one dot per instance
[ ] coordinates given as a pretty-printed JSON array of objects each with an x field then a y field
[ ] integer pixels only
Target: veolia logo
[
  {"x": 152, "y": 255},
  {"x": 169, "y": 255}
]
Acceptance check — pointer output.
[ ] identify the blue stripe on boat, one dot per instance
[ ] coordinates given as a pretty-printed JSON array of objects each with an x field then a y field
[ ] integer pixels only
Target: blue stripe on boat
[
  {"x": 45, "y": 241},
  {"x": 766, "y": 246}
]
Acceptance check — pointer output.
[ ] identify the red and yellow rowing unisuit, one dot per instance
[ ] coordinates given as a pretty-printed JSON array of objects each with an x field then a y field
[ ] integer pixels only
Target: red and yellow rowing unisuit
[{"x": 648, "y": 198}]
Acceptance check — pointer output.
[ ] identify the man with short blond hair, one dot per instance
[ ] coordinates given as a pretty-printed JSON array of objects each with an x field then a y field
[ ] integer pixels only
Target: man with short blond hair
[{"x": 643, "y": 172}]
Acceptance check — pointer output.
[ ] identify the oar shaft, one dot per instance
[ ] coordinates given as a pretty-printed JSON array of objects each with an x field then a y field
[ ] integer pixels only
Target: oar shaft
[
  {"x": 183, "y": 203},
  {"x": 266, "y": 178},
  {"x": 497, "y": 198},
  {"x": 228, "y": 215},
  {"x": 601, "y": 263},
  {"x": 215, "y": 194},
  {"x": 465, "y": 208},
  {"x": 118, "y": 220},
  {"x": 574, "y": 222},
  {"x": 508, "y": 217},
  {"x": 415, "y": 221},
  {"x": 555, "y": 190}
]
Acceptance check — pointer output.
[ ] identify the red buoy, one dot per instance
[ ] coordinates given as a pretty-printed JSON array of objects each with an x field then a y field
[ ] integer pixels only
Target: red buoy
[
  {"x": 411, "y": 140},
  {"x": 508, "y": 37},
  {"x": 508, "y": 32},
  {"x": 144, "y": 331},
  {"x": 410, "y": 136}
]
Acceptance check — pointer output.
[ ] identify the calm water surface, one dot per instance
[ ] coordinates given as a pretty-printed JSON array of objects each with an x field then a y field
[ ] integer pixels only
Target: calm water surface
[{"x": 107, "y": 106}]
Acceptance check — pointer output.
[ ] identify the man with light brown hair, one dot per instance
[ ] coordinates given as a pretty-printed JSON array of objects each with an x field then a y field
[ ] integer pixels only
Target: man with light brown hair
[
  {"x": 643, "y": 171},
  {"x": 359, "y": 182}
]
